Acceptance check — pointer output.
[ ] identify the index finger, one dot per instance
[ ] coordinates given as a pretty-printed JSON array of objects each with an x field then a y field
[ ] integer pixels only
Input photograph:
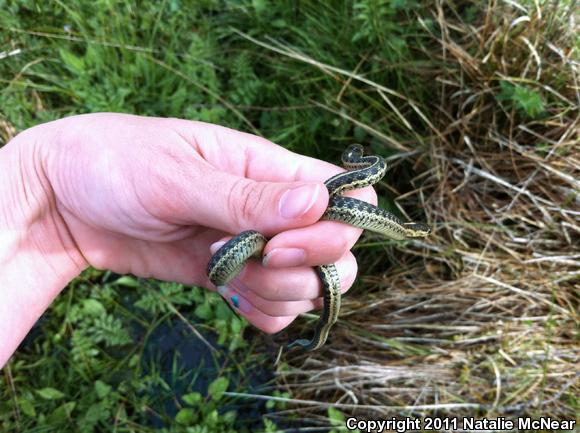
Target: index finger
[{"x": 250, "y": 156}]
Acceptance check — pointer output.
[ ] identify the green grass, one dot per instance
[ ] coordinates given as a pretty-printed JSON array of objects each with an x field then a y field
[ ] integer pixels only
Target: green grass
[{"x": 115, "y": 354}]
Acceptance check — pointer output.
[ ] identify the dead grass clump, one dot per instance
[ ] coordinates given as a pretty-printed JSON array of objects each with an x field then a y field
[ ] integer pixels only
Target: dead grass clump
[
  {"x": 481, "y": 318},
  {"x": 7, "y": 131}
]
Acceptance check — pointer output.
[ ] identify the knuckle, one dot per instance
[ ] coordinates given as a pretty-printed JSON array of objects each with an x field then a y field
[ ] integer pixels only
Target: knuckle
[
  {"x": 338, "y": 245},
  {"x": 269, "y": 293},
  {"x": 343, "y": 244},
  {"x": 244, "y": 201}
]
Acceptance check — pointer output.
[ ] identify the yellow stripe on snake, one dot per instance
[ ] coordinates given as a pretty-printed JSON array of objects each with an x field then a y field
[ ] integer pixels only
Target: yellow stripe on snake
[{"x": 363, "y": 171}]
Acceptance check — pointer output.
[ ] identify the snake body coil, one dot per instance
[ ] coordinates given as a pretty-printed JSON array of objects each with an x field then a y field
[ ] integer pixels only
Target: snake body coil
[{"x": 229, "y": 260}]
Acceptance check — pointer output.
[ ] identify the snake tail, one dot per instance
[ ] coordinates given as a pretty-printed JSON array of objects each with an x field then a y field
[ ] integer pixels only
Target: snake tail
[
  {"x": 364, "y": 215},
  {"x": 331, "y": 286},
  {"x": 416, "y": 230}
]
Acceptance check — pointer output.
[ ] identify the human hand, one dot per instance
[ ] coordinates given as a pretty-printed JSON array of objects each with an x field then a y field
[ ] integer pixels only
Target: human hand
[{"x": 152, "y": 196}]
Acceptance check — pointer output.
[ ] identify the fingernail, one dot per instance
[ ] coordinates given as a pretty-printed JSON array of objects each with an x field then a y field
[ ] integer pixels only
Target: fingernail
[
  {"x": 216, "y": 246},
  {"x": 284, "y": 257},
  {"x": 244, "y": 305},
  {"x": 241, "y": 304},
  {"x": 296, "y": 202},
  {"x": 237, "y": 300}
]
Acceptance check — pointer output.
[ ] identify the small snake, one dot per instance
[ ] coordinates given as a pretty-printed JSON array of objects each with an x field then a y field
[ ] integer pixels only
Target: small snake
[{"x": 363, "y": 171}]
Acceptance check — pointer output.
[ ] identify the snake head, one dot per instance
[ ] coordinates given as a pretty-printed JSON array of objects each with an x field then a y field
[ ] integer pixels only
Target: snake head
[{"x": 354, "y": 151}]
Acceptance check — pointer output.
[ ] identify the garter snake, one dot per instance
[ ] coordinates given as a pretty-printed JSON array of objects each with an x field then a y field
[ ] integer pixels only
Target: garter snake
[{"x": 363, "y": 171}]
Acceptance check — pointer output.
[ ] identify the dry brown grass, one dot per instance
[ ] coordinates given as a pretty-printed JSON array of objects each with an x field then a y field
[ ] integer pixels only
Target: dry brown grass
[
  {"x": 7, "y": 131},
  {"x": 481, "y": 318}
]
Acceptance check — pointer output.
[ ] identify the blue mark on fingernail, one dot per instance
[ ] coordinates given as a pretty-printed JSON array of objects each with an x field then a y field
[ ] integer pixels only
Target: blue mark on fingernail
[{"x": 235, "y": 301}]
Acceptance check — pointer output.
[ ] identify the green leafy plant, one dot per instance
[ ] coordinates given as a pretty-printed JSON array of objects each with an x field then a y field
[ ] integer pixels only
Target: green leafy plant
[
  {"x": 526, "y": 100},
  {"x": 206, "y": 412}
]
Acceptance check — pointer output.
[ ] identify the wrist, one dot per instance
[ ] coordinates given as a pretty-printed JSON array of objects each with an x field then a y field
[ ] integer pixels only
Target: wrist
[{"x": 38, "y": 256}]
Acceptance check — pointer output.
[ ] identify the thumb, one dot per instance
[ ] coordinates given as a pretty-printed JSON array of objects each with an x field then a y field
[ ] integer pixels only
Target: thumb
[{"x": 235, "y": 204}]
